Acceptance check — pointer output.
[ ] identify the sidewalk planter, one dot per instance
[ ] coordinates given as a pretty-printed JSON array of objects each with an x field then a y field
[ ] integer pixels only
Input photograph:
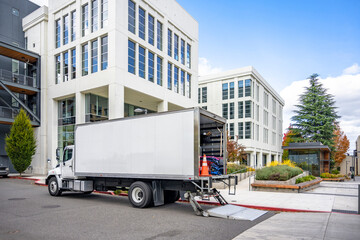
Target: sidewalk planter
[
  {"x": 279, "y": 186},
  {"x": 241, "y": 176},
  {"x": 340, "y": 179}
]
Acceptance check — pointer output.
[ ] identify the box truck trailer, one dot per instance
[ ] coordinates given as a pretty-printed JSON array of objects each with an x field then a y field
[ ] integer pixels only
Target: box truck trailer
[{"x": 154, "y": 156}]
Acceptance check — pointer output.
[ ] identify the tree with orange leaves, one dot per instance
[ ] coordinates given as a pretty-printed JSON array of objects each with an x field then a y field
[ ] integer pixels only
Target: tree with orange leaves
[
  {"x": 236, "y": 151},
  {"x": 342, "y": 145}
]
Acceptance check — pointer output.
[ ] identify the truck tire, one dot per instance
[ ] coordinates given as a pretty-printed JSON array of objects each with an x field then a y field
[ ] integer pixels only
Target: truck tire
[
  {"x": 53, "y": 187},
  {"x": 140, "y": 194},
  {"x": 171, "y": 196}
]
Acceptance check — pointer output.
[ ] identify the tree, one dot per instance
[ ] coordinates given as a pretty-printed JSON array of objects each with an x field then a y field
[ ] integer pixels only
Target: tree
[
  {"x": 316, "y": 114},
  {"x": 20, "y": 145},
  {"x": 236, "y": 151},
  {"x": 342, "y": 145},
  {"x": 292, "y": 135}
]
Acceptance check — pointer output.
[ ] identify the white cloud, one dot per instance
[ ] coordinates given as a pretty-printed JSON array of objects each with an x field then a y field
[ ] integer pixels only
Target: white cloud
[
  {"x": 205, "y": 67},
  {"x": 346, "y": 91},
  {"x": 354, "y": 69}
]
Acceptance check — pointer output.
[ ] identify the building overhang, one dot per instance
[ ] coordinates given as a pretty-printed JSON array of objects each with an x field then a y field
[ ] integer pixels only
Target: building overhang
[{"x": 17, "y": 53}]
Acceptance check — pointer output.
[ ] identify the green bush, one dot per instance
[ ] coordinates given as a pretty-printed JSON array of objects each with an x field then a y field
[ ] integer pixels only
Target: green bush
[
  {"x": 335, "y": 171},
  {"x": 277, "y": 173},
  {"x": 305, "y": 179},
  {"x": 232, "y": 167},
  {"x": 329, "y": 175}
]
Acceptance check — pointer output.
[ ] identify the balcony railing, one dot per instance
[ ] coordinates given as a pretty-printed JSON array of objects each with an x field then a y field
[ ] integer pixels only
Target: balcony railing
[
  {"x": 11, "y": 113},
  {"x": 9, "y": 76}
]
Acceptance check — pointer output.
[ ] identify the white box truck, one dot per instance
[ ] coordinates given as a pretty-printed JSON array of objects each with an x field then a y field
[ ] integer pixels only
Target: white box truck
[{"x": 154, "y": 156}]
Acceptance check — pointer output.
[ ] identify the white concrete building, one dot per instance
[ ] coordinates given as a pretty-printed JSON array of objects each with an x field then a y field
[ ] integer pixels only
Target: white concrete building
[
  {"x": 253, "y": 109},
  {"x": 102, "y": 59}
]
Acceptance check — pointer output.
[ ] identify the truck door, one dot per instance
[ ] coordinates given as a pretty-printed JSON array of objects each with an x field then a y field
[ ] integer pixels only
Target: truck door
[{"x": 67, "y": 166}]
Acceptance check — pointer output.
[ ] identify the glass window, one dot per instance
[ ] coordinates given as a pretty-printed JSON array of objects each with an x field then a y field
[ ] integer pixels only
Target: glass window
[
  {"x": 96, "y": 108},
  {"x": 176, "y": 47},
  {"x": 94, "y": 56},
  {"x": 257, "y": 132},
  {"x": 247, "y": 88},
  {"x": 131, "y": 57},
  {"x": 104, "y": 13},
  {"x": 257, "y": 92},
  {"x": 231, "y": 130},
  {"x": 266, "y": 118},
  {"x": 66, "y": 122},
  {"x": 57, "y": 33},
  {"x": 73, "y": 63},
  {"x": 225, "y": 110},
  {"x": 131, "y": 16},
  {"x": 150, "y": 66},
  {"x": 66, "y": 29},
  {"x": 182, "y": 51},
  {"x": 204, "y": 94},
  {"x": 232, "y": 90},
  {"x": 73, "y": 25},
  {"x": 241, "y": 89},
  {"x": 57, "y": 69},
  {"x": 94, "y": 15},
  {"x": 151, "y": 29},
  {"x": 142, "y": 62},
  {"x": 240, "y": 109},
  {"x": 248, "y": 109},
  {"x": 266, "y": 100},
  {"x": 85, "y": 60},
  {"x": 225, "y": 91},
  {"x": 159, "y": 35},
  {"x": 188, "y": 86},
  {"x": 188, "y": 55},
  {"x": 274, "y": 106},
  {"x": 104, "y": 52},
  {"x": 176, "y": 79},
  {"x": 257, "y": 112},
  {"x": 67, "y": 155},
  {"x": 274, "y": 122},
  {"x": 241, "y": 130},
  {"x": 15, "y": 12},
  {"x": 265, "y": 136},
  {"x": 85, "y": 20},
  {"x": 204, "y": 107},
  {"x": 65, "y": 66},
  {"x": 142, "y": 23},
  {"x": 159, "y": 71},
  {"x": 169, "y": 42},
  {"x": 232, "y": 110},
  {"x": 182, "y": 83},
  {"x": 169, "y": 76},
  {"x": 199, "y": 95},
  {"x": 247, "y": 130}
]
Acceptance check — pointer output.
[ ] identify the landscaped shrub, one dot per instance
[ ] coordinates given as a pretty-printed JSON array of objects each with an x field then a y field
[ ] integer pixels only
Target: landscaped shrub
[
  {"x": 329, "y": 175},
  {"x": 335, "y": 171},
  {"x": 233, "y": 167},
  {"x": 305, "y": 179},
  {"x": 277, "y": 173},
  {"x": 285, "y": 162}
]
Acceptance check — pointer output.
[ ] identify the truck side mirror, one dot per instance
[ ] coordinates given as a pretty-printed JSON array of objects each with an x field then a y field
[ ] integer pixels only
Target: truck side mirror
[{"x": 58, "y": 154}]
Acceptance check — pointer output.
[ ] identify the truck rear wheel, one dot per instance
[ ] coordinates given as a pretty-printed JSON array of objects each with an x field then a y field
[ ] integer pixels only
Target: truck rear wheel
[
  {"x": 140, "y": 194},
  {"x": 53, "y": 187},
  {"x": 171, "y": 196}
]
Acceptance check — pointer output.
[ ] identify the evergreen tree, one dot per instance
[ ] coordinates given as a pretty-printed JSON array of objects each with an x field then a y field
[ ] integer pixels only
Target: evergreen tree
[
  {"x": 20, "y": 145},
  {"x": 316, "y": 114}
]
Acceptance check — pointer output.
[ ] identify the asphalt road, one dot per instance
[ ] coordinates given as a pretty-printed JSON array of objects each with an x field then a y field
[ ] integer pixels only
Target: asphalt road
[{"x": 28, "y": 212}]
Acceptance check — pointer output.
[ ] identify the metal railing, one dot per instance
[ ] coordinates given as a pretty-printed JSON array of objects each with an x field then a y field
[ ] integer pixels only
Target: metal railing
[
  {"x": 9, "y": 76},
  {"x": 11, "y": 113}
]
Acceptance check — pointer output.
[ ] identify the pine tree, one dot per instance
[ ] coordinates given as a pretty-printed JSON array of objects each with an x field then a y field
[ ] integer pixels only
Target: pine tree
[
  {"x": 316, "y": 114},
  {"x": 20, "y": 145}
]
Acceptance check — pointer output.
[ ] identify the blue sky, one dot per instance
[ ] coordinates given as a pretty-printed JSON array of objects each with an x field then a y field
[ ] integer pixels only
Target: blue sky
[{"x": 284, "y": 40}]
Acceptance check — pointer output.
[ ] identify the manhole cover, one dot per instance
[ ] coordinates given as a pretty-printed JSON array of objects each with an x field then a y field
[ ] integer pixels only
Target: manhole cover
[
  {"x": 16, "y": 199},
  {"x": 51, "y": 206}
]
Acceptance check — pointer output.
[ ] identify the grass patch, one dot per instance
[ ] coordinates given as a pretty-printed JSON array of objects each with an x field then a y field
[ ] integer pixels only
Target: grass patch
[
  {"x": 277, "y": 173},
  {"x": 305, "y": 179}
]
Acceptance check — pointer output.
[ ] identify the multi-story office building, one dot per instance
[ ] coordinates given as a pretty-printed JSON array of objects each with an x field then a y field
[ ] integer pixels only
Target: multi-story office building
[
  {"x": 19, "y": 72},
  {"x": 252, "y": 108},
  {"x": 106, "y": 59}
]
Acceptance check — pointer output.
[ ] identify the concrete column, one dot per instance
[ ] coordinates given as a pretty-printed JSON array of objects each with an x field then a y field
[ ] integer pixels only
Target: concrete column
[
  {"x": 116, "y": 101},
  {"x": 252, "y": 159},
  {"x": 162, "y": 106},
  {"x": 80, "y": 107}
]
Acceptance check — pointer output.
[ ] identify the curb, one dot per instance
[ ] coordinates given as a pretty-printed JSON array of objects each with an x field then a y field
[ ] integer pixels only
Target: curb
[{"x": 36, "y": 181}]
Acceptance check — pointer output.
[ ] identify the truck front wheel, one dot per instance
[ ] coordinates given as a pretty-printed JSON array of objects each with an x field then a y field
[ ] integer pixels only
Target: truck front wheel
[
  {"x": 140, "y": 194},
  {"x": 53, "y": 187}
]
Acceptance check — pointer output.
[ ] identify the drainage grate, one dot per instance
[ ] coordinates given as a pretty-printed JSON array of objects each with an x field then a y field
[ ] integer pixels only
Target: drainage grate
[
  {"x": 50, "y": 206},
  {"x": 16, "y": 199},
  {"x": 344, "y": 211}
]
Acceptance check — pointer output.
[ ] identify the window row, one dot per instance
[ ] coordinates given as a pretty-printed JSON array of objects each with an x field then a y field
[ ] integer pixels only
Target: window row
[
  {"x": 202, "y": 95},
  {"x": 177, "y": 79},
  {"x": 228, "y": 89},
  {"x": 147, "y": 27},
  {"x": 245, "y": 110},
  {"x": 68, "y": 23},
  {"x": 67, "y": 60}
]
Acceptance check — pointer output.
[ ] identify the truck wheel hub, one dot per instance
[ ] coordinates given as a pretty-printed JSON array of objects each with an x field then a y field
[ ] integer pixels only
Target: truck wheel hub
[{"x": 137, "y": 195}]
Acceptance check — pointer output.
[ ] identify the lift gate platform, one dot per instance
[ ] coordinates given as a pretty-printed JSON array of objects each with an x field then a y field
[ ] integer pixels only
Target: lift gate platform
[{"x": 230, "y": 211}]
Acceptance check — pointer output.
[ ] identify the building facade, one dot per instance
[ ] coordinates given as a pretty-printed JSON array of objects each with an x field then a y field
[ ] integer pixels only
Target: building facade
[
  {"x": 107, "y": 59},
  {"x": 254, "y": 111},
  {"x": 19, "y": 72}
]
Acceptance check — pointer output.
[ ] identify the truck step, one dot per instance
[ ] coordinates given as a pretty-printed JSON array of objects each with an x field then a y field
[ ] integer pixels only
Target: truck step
[{"x": 235, "y": 212}]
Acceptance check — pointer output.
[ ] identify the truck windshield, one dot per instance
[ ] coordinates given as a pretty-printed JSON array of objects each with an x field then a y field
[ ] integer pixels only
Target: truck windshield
[{"x": 67, "y": 154}]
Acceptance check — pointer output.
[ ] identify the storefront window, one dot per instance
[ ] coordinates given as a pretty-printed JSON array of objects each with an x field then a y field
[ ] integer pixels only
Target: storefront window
[{"x": 96, "y": 108}]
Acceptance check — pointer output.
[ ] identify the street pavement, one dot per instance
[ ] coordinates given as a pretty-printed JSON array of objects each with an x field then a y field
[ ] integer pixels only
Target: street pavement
[{"x": 28, "y": 212}]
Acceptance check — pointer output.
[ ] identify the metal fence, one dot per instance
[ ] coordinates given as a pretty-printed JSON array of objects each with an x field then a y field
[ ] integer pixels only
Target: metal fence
[{"x": 17, "y": 78}]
